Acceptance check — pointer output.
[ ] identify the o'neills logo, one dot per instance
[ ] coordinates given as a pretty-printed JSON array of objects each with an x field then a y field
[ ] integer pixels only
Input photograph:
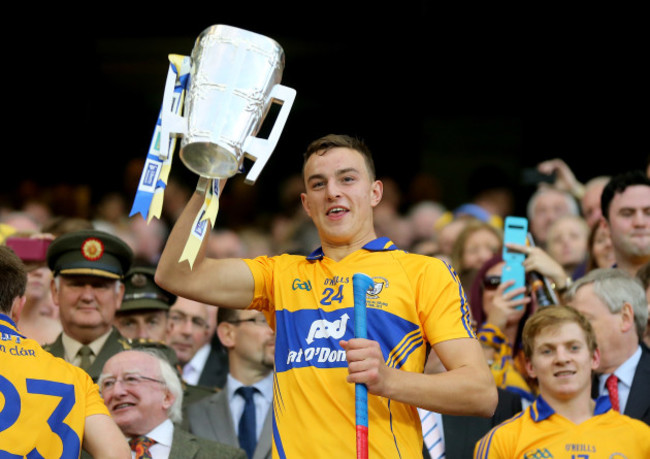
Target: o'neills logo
[{"x": 92, "y": 249}]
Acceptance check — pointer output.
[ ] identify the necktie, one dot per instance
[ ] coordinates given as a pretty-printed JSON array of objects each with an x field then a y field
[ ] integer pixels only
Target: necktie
[
  {"x": 247, "y": 434},
  {"x": 85, "y": 352},
  {"x": 432, "y": 433},
  {"x": 612, "y": 388},
  {"x": 141, "y": 446}
]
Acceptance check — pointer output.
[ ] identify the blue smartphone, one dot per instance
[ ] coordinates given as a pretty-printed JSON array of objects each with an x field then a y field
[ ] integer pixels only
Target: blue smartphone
[{"x": 515, "y": 231}]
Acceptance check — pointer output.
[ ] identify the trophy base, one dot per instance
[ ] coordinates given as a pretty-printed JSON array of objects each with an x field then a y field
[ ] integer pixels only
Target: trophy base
[{"x": 209, "y": 160}]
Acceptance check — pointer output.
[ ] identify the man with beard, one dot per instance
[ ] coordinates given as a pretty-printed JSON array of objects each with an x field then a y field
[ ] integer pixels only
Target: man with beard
[
  {"x": 626, "y": 209},
  {"x": 223, "y": 417}
]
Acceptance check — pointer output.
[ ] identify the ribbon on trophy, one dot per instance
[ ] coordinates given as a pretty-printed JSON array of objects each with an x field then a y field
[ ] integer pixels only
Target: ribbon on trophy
[
  {"x": 207, "y": 214},
  {"x": 155, "y": 173},
  {"x": 153, "y": 181}
]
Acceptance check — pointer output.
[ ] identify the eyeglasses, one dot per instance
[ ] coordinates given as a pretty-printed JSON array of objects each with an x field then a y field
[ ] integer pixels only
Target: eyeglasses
[
  {"x": 491, "y": 282},
  {"x": 129, "y": 380},
  {"x": 257, "y": 320},
  {"x": 178, "y": 319}
]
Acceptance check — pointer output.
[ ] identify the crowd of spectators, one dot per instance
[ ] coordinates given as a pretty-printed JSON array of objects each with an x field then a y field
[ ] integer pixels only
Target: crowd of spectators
[{"x": 571, "y": 237}]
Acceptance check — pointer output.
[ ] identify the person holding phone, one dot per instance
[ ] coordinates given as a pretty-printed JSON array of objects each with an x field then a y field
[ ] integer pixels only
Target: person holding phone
[{"x": 498, "y": 312}]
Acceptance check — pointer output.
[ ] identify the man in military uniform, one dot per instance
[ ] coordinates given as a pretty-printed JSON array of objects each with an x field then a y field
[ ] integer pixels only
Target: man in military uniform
[
  {"x": 88, "y": 268},
  {"x": 145, "y": 307},
  {"x": 143, "y": 320}
]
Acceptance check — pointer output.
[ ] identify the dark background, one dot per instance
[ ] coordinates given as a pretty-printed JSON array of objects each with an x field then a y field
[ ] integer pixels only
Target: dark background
[{"x": 430, "y": 90}]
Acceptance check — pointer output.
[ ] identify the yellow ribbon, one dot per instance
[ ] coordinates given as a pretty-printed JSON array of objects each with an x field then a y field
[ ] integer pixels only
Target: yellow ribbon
[{"x": 204, "y": 221}]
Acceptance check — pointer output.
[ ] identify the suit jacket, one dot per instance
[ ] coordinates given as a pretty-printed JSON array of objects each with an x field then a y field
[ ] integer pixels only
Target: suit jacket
[
  {"x": 462, "y": 432},
  {"x": 215, "y": 369},
  {"x": 114, "y": 343},
  {"x": 188, "y": 446},
  {"x": 212, "y": 419},
  {"x": 638, "y": 402}
]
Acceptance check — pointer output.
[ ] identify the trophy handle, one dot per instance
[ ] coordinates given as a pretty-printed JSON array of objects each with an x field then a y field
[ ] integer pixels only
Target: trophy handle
[{"x": 259, "y": 150}]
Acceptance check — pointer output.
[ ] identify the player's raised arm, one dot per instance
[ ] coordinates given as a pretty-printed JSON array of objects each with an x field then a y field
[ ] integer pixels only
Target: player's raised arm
[{"x": 222, "y": 282}]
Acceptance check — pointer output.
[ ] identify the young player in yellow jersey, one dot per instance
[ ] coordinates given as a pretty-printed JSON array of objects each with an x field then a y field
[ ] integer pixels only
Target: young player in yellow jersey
[
  {"x": 416, "y": 300},
  {"x": 48, "y": 407},
  {"x": 564, "y": 422}
]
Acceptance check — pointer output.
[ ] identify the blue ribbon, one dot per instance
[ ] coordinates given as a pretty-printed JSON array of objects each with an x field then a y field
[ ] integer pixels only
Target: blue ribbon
[{"x": 150, "y": 178}]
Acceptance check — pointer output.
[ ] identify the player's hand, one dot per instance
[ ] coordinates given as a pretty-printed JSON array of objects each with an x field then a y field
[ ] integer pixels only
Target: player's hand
[{"x": 366, "y": 364}]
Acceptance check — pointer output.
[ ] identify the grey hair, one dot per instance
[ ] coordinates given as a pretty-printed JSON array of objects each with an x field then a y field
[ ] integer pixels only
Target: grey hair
[
  {"x": 571, "y": 202},
  {"x": 57, "y": 283},
  {"x": 615, "y": 287},
  {"x": 172, "y": 381},
  {"x": 170, "y": 378}
]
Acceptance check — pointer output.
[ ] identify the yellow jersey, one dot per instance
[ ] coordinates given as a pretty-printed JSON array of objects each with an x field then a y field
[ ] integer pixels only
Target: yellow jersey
[
  {"x": 538, "y": 432},
  {"x": 44, "y": 401},
  {"x": 309, "y": 302}
]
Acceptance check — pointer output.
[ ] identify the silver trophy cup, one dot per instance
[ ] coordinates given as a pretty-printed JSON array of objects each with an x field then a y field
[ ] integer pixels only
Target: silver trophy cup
[{"x": 234, "y": 80}]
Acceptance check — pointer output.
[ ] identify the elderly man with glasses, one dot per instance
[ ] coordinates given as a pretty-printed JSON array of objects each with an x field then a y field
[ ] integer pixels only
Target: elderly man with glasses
[{"x": 144, "y": 395}]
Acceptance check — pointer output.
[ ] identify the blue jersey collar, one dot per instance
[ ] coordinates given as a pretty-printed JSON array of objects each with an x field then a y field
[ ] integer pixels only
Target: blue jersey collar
[
  {"x": 8, "y": 326},
  {"x": 541, "y": 410},
  {"x": 377, "y": 245}
]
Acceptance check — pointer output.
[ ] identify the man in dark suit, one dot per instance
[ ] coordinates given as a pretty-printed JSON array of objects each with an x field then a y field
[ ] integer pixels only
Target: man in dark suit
[
  {"x": 215, "y": 369},
  {"x": 144, "y": 396},
  {"x": 251, "y": 345},
  {"x": 461, "y": 433},
  {"x": 616, "y": 305},
  {"x": 190, "y": 336},
  {"x": 88, "y": 267}
]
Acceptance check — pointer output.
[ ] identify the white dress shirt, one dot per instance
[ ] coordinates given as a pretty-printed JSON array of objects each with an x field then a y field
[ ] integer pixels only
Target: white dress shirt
[
  {"x": 625, "y": 375},
  {"x": 192, "y": 369},
  {"x": 262, "y": 399}
]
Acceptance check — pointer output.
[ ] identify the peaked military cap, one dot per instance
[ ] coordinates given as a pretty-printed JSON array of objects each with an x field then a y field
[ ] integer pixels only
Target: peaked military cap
[
  {"x": 142, "y": 292},
  {"x": 91, "y": 253}
]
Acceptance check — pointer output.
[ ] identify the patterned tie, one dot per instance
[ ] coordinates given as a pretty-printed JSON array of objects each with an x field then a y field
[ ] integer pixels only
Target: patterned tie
[
  {"x": 432, "y": 434},
  {"x": 612, "y": 388},
  {"x": 141, "y": 446},
  {"x": 247, "y": 431},
  {"x": 85, "y": 352}
]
